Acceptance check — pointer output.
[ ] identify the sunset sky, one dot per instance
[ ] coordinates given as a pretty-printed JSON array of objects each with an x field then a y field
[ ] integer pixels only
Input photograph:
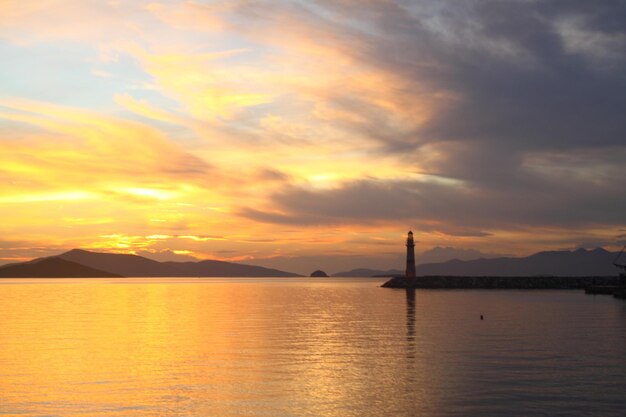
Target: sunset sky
[{"x": 287, "y": 133}]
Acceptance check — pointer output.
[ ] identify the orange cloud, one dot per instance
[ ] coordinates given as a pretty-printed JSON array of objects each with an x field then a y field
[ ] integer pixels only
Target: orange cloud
[
  {"x": 145, "y": 109},
  {"x": 26, "y": 22},
  {"x": 104, "y": 150},
  {"x": 207, "y": 88}
]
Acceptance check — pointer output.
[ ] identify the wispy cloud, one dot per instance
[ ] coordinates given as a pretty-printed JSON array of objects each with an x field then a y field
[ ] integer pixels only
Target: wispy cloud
[{"x": 481, "y": 123}]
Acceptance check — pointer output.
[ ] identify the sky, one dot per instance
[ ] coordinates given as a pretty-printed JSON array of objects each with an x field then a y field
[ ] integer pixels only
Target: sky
[{"x": 311, "y": 134}]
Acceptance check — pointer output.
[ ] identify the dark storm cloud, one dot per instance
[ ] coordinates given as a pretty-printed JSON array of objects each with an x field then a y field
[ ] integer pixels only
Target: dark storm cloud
[
  {"x": 562, "y": 100},
  {"x": 532, "y": 126},
  {"x": 544, "y": 74},
  {"x": 455, "y": 210}
]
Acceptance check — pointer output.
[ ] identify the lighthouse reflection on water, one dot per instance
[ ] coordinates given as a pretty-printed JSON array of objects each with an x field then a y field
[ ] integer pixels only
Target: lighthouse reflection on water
[{"x": 410, "y": 295}]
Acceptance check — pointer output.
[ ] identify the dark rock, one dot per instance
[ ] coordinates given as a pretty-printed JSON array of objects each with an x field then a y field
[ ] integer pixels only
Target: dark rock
[
  {"x": 601, "y": 289},
  {"x": 319, "y": 274},
  {"x": 620, "y": 294},
  {"x": 397, "y": 282}
]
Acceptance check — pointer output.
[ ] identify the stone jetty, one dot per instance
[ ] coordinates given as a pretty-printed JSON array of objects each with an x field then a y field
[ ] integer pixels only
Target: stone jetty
[{"x": 505, "y": 283}]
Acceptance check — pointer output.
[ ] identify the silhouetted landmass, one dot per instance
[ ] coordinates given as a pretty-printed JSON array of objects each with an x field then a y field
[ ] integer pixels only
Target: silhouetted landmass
[
  {"x": 121, "y": 264},
  {"x": 53, "y": 267},
  {"x": 96, "y": 264},
  {"x": 365, "y": 272},
  {"x": 138, "y": 266},
  {"x": 442, "y": 254},
  {"x": 509, "y": 283},
  {"x": 597, "y": 262},
  {"x": 581, "y": 262},
  {"x": 211, "y": 268},
  {"x": 578, "y": 263},
  {"x": 535, "y": 271},
  {"x": 319, "y": 274},
  {"x": 591, "y": 269}
]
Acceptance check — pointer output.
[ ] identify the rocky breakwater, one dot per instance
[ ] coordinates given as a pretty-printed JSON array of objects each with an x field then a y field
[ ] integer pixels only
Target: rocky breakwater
[{"x": 505, "y": 283}]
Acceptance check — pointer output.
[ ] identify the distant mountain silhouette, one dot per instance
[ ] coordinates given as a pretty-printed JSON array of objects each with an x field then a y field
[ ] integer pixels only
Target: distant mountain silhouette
[
  {"x": 121, "y": 264},
  {"x": 52, "y": 267},
  {"x": 440, "y": 254},
  {"x": 211, "y": 268},
  {"x": 581, "y": 262},
  {"x": 138, "y": 266},
  {"x": 365, "y": 272},
  {"x": 81, "y": 263}
]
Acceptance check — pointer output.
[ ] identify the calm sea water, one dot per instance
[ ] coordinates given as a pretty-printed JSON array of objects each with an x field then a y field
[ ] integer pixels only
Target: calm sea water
[{"x": 305, "y": 347}]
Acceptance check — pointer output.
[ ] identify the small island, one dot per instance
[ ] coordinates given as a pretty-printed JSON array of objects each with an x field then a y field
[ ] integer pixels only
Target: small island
[{"x": 319, "y": 274}]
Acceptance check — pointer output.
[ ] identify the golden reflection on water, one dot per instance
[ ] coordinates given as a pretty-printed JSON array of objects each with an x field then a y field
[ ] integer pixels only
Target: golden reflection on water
[
  {"x": 155, "y": 347},
  {"x": 297, "y": 347}
]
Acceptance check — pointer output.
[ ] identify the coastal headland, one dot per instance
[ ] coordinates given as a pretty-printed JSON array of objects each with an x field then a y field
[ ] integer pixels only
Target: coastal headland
[{"x": 592, "y": 284}]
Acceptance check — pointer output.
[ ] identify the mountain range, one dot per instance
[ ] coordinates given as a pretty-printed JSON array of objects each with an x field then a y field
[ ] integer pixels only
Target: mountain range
[
  {"x": 82, "y": 263},
  {"x": 581, "y": 262},
  {"x": 366, "y": 272},
  {"x": 86, "y": 264},
  {"x": 52, "y": 267}
]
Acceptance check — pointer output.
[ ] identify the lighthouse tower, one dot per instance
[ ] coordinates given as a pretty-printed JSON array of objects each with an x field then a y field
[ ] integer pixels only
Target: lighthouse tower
[{"x": 410, "y": 257}]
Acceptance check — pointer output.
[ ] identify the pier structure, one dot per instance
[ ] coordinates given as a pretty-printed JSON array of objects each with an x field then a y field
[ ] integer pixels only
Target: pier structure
[{"x": 409, "y": 273}]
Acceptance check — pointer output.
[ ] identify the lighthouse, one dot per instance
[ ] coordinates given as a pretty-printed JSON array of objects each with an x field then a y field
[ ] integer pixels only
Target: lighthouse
[{"x": 410, "y": 257}]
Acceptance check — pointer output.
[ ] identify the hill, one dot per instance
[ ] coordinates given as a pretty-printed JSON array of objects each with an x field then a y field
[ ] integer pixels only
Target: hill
[
  {"x": 365, "y": 272},
  {"x": 53, "y": 267},
  {"x": 211, "y": 268},
  {"x": 578, "y": 263},
  {"x": 121, "y": 264},
  {"x": 138, "y": 266}
]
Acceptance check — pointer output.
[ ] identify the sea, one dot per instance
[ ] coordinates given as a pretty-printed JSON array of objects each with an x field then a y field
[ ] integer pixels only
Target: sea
[{"x": 305, "y": 347}]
